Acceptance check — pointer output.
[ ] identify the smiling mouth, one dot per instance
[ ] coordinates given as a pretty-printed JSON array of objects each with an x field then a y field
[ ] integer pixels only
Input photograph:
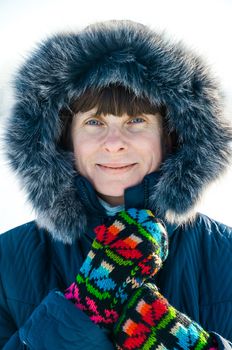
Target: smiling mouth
[
  {"x": 116, "y": 166},
  {"x": 114, "y": 169}
]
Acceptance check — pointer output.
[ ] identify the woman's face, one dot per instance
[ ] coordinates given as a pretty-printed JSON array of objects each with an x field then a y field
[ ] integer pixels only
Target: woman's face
[{"x": 115, "y": 153}]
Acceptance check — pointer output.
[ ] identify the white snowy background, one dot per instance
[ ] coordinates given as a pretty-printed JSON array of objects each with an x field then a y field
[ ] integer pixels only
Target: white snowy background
[{"x": 204, "y": 25}]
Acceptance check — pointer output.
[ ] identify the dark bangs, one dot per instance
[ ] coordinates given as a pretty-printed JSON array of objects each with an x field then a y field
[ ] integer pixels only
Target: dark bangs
[{"x": 113, "y": 99}]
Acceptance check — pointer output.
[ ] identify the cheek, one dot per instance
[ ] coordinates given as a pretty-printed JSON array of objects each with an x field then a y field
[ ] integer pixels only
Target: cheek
[
  {"x": 152, "y": 154},
  {"x": 84, "y": 150},
  {"x": 158, "y": 147},
  {"x": 80, "y": 150},
  {"x": 152, "y": 146}
]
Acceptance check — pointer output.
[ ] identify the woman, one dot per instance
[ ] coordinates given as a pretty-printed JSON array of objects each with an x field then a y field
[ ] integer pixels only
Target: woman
[{"x": 115, "y": 134}]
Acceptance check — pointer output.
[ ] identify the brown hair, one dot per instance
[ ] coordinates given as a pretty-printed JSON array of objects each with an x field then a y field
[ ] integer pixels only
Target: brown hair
[{"x": 113, "y": 99}]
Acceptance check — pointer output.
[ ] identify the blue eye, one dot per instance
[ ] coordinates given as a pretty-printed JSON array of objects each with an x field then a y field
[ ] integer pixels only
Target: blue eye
[
  {"x": 136, "y": 120},
  {"x": 94, "y": 122}
]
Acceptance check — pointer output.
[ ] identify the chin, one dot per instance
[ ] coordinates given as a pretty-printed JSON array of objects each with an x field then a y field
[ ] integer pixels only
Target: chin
[
  {"x": 115, "y": 192},
  {"x": 112, "y": 194},
  {"x": 113, "y": 188}
]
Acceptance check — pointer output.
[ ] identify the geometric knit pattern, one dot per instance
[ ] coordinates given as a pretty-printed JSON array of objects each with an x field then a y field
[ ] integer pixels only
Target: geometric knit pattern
[
  {"x": 124, "y": 254},
  {"x": 148, "y": 321}
]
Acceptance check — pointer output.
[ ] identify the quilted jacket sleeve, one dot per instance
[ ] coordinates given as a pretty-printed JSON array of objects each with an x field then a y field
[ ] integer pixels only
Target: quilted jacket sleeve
[{"x": 55, "y": 324}]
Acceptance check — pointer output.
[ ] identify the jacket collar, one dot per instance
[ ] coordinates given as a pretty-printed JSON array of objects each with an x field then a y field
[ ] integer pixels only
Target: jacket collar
[{"x": 135, "y": 197}]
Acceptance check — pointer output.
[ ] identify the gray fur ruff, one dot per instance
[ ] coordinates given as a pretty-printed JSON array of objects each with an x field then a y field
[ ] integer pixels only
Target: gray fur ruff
[{"x": 131, "y": 54}]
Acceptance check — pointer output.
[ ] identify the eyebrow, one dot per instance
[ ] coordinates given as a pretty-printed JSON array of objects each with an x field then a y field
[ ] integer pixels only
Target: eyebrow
[{"x": 104, "y": 117}]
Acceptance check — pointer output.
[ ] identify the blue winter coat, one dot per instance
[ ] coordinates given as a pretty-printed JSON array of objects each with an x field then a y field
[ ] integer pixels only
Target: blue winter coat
[{"x": 196, "y": 279}]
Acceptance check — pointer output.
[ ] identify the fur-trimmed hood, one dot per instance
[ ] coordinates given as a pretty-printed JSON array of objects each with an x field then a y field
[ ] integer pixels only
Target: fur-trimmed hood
[{"x": 133, "y": 55}]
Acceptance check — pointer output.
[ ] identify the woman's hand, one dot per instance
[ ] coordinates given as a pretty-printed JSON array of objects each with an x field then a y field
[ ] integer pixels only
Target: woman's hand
[
  {"x": 125, "y": 253},
  {"x": 148, "y": 321}
]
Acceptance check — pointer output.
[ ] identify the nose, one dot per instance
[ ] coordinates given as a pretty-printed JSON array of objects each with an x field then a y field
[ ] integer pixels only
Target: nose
[{"x": 115, "y": 141}]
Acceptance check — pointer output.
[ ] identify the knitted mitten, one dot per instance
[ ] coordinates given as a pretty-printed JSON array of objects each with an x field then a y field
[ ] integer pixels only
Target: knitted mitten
[
  {"x": 124, "y": 254},
  {"x": 148, "y": 322}
]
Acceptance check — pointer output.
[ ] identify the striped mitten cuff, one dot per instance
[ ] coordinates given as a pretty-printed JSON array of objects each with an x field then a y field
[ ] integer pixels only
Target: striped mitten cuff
[
  {"x": 124, "y": 254},
  {"x": 149, "y": 322}
]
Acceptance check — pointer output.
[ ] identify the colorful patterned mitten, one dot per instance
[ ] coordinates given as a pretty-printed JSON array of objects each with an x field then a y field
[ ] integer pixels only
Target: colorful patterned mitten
[
  {"x": 149, "y": 322},
  {"x": 124, "y": 254}
]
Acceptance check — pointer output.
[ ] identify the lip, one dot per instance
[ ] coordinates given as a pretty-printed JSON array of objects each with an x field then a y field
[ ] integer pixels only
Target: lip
[
  {"x": 115, "y": 168},
  {"x": 116, "y": 165}
]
